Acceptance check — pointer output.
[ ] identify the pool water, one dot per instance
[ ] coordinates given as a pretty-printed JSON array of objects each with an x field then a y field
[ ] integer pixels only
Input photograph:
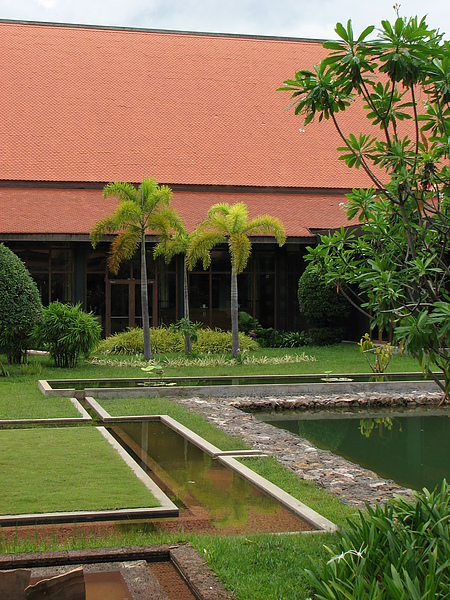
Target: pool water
[
  {"x": 411, "y": 447},
  {"x": 211, "y": 497}
]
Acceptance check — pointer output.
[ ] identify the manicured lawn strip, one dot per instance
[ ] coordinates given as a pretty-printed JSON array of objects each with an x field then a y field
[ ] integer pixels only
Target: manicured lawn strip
[
  {"x": 22, "y": 400},
  {"x": 65, "y": 469},
  {"x": 307, "y": 492},
  {"x": 164, "y": 406},
  {"x": 264, "y": 567}
]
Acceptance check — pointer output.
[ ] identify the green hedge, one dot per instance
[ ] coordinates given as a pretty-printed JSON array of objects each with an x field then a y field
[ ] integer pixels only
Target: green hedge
[{"x": 165, "y": 341}]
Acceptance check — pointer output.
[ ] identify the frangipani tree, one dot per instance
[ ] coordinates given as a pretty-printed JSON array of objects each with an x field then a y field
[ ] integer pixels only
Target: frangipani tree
[
  {"x": 399, "y": 263},
  {"x": 229, "y": 223},
  {"x": 140, "y": 210}
]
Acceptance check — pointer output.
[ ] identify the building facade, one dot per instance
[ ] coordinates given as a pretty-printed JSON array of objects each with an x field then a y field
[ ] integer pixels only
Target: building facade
[{"x": 82, "y": 106}]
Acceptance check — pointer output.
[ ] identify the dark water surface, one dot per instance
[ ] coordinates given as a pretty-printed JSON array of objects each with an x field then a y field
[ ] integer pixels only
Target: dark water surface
[
  {"x": 410, "y": 447},
  {"x": 211, "y": 497}
]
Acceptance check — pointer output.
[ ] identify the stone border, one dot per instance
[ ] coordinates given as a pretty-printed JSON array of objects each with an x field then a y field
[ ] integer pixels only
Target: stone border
[
  {"x": 317, "y": 521},
  {"x": 192, "y": 567}
]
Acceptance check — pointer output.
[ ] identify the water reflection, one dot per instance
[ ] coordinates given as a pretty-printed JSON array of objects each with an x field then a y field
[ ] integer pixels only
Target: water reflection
[
  {"x": 412, "y": 448},
  {"x": 210, "y": 496}
]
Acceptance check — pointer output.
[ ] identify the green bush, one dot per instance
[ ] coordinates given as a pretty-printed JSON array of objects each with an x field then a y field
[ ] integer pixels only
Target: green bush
[
  {"x": 272, "y": 338},
  {"x": 131, "y": 341},
  {"x": 215, "y": 340},
  {"x": 165, "y": 340},
  {"x": 20, "y": 306},
  {"x": 325, "y": 336},
  {"x": 401, "y": 551},
  {"x": 320, "y": 303},
  {"x": 66, "y": 332}
]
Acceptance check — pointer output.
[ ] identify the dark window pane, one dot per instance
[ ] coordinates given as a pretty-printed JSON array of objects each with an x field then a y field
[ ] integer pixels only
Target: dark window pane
[
  {"x": 199, "y": 297},
  {"x": 61, "y": 287},
  {"x": 221, "y": 291},
  {"x": 264, "y": 301},
  {"x": 124, "y": 271},
  {"x": 95, "y": 297},
  {"x": 245, "y": 293},
  {"x": 96, "y": 261},
  {"x": 38, "y": 260},
  {"x": 167, "y": 298},
  {"x": 41, "y": 280},
  {"x": 119, "y": 307},
  {"x": 61, "y": 259},
  {"x": 265, "y": 262},
  {"x": 138, "y": 304},
  {"x": 220, "y": 261}
]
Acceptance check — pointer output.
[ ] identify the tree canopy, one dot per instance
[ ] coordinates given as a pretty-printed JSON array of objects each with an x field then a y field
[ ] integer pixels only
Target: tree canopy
[{"x": 395, "y": 265}]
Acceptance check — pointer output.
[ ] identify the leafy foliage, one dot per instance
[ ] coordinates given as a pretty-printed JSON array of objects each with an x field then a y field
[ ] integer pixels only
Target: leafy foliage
[
  {"x": 66, "y": 331},
  {"x": 396, "y": 552},
  {"x": 140, "y": 210},
  {"x": 397, "y": 267},
  {"x": 270, "y": 338},
  {"x": 320, "y": 302},
  {"x": 166, "y": 340},
  {"x": 378, "y": 357},
  {"x": 20, "y": 306}
]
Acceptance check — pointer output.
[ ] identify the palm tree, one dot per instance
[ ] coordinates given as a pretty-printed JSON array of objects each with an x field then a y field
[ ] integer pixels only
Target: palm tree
[
  {"x": 174, "y": 239},
  {"x": 140, "y": 210},
  {"x": 230, "y": 223}
]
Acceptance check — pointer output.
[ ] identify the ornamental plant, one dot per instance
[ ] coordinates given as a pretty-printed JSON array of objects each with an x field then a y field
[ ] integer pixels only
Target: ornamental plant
[
  {"x": 20, "y": 306},
  {"x": 66, "y": 332},
  {"x": 395, "y": 265},
  {"x": 396, "y": 552}
]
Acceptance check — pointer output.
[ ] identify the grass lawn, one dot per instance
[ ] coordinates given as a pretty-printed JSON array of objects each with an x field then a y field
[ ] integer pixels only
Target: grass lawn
[
  {"x": 256, "y": 567},
  {"x": 67, "y": 469}
]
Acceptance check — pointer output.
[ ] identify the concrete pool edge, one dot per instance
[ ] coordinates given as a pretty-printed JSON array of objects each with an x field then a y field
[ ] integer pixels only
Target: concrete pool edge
[{"x": 320, "y": 523}]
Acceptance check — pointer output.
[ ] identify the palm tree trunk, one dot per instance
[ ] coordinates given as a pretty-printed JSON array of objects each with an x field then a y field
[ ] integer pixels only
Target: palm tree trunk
[
  {"x": 187, "y": 335},
  {"x": 144, "y": 302},
  {"x": 234, "y": 314}
]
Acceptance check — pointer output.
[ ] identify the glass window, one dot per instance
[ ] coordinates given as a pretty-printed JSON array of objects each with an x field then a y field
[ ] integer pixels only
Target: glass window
[
  {"x": 220, "y": 261},
  {"x": 38, "y": 260},
  {"x": 167, "y": 298},
  {"x": 265, "y": 300},
  {"x": 221, "y": 291},
  {"x": 95, "y": 296},
  {"x": 96, "y": 261},
  {"x": 61, "y": 259},
  {"x": 61, "y": 287}
]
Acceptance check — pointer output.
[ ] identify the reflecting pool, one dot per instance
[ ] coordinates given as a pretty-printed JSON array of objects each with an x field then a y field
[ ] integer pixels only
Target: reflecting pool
[
  {"x": 211, "y": 497},
  {"x": 411, "y": 447}
]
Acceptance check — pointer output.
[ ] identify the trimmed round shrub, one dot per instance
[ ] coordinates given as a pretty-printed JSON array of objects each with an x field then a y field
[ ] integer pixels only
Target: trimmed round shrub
[
  {"x": 324, "y": 309},
  {"x": 66, "y": 332},
  {"x": 20, "y": 306},
  {"x": 319, "y": 302}
]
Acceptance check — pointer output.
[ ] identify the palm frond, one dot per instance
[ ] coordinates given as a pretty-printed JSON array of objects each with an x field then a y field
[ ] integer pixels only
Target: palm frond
[
  {"x": 123, "y": 247},
  {"x": 268, "y": 225},
  {"x": 240, "y": 250},
  {"x": 200, "y": 246},
  {"x": 122, "y": 190}
]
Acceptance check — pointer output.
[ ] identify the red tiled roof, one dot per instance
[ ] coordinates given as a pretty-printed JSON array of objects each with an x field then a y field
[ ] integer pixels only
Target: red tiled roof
[
  {"x": 93, "y": 104},
  {"x": 71, "y": 211}
]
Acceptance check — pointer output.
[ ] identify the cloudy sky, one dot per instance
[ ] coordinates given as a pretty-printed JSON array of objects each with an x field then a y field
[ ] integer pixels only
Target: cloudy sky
[{"x": 297, "y": 18}]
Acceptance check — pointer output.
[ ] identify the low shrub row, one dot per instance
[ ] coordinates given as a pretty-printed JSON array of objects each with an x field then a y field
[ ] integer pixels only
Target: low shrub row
[{"x": 166, "y": 340}]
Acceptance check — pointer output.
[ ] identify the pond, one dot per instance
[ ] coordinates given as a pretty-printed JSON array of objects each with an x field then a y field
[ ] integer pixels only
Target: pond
[{"x": 411, "y": 447}]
